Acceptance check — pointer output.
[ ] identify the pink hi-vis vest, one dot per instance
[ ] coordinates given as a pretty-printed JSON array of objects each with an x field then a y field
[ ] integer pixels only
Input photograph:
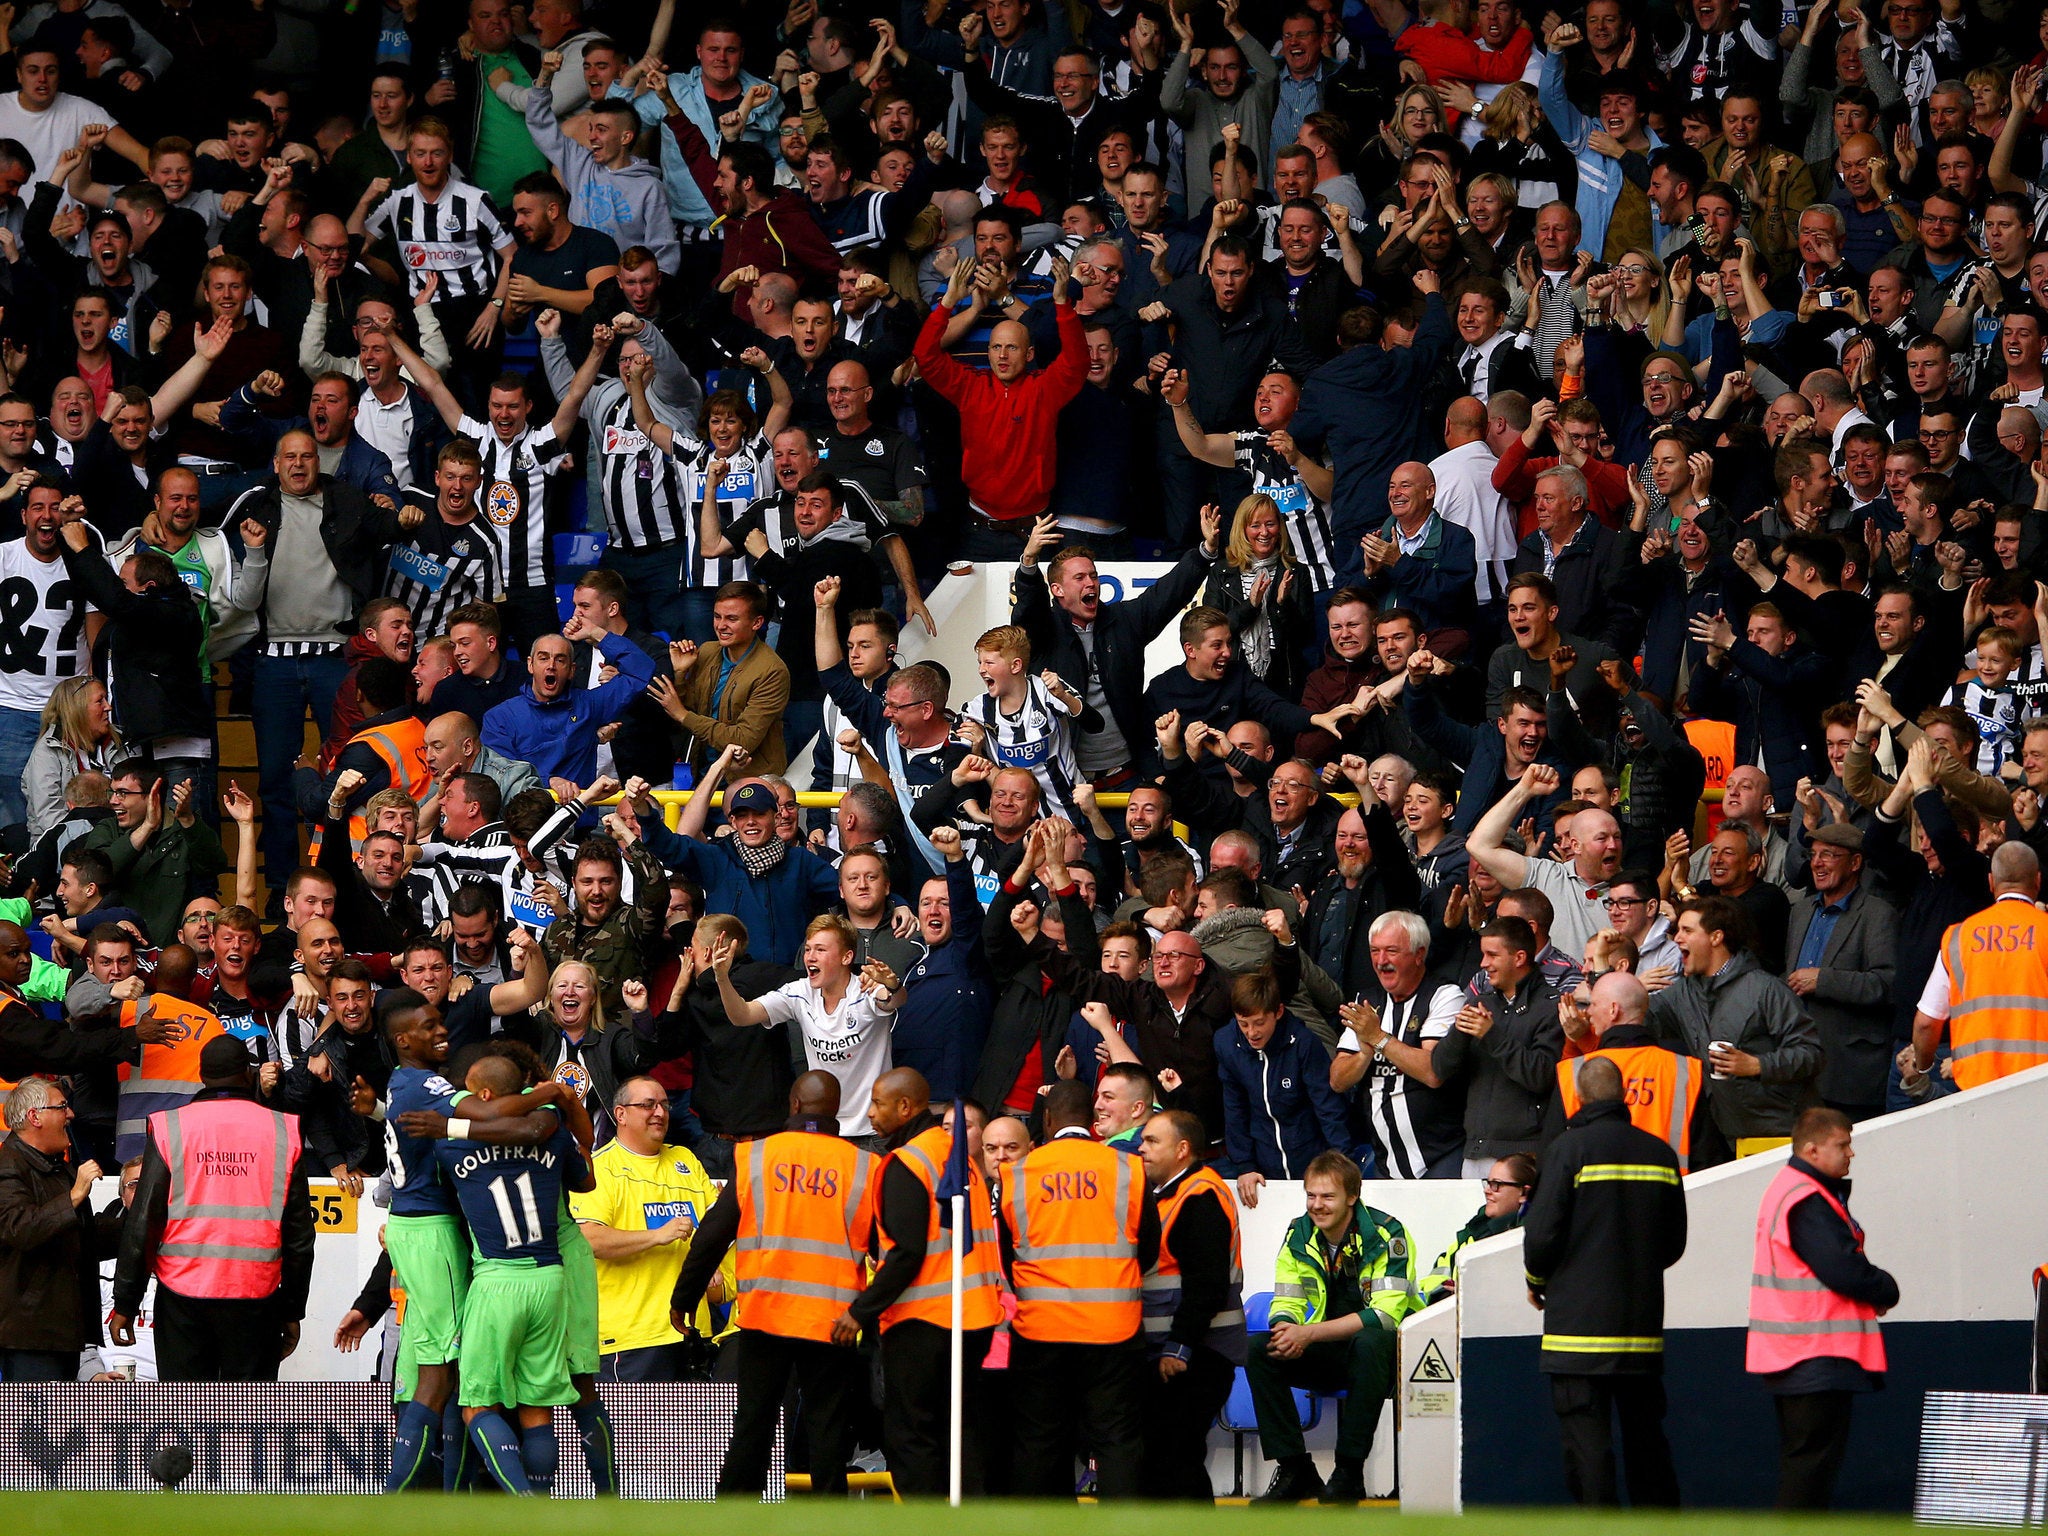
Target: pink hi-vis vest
[
  {"x": 231, "y": 1164},
  {"x": 1793, "y": 1316}
]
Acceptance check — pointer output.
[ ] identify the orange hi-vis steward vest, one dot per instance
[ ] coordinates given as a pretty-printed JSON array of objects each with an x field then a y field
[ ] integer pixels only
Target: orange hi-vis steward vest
[
  {"x": 402, "y": 746},
  {"x": 803, "y": 1240},
  {"x": 231, "y": 1167},
  {"x": 1074, "y": 1208},
  {"x": 1793, "y": 1316},
  {"x": 168, "y": 1075},
  {"x": 929, "y": 1296},
  {"x": 1660, "y": 1087},
  {"x": 1162, "y": 1285},
  {"x": 1998, "y": 992}
]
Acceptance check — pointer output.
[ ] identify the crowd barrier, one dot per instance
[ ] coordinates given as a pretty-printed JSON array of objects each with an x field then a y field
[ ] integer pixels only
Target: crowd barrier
[
  {"x": 334, "y": 1437},
  {"x": 1950, "y": 1204},
  {"x": 347, "y": 1247}
]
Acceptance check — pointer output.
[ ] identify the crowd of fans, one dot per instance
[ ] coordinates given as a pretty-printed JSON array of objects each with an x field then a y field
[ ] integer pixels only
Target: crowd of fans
[{"x": 1538, "y": 420}]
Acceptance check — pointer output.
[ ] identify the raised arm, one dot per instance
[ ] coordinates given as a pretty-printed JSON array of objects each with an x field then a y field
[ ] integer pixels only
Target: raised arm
[
  {"x": 564, "y": 420},
  {"x": 1504, "y": 864},
  {"x": 738, "y": 1010},
  {"x": 429, "y": 380},
  {"x": 180, "y": 387}
]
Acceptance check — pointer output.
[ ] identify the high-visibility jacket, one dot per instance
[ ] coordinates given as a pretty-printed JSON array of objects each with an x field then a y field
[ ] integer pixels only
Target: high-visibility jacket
[
  {"x": 168, "y": 1075},
  {"x": 402, "y": 747},
  {"x": 929, "y": 1296},
  {"x": 230, "y": 1164},
  {"x": 1661, "y": 1089},
  {"x": 1793, "y": 1316},
  {"x": 1075, "y": 1207},
  {"x": 1162, "y": 1285},
  {"x": 1377, "y": 1260},
  {"x": 1998, "y": 992},
  {"x": 803, "y": 1238}
]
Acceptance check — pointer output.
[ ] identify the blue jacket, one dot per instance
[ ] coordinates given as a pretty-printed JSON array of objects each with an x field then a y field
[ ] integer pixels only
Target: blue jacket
[
  {"x": 361, "y": 466},
  {"x": 1367, "y": 404},
  {"x": 1278, "y": 1110},
  {"x": 559, "y": 737},
  {"x": 775, "y": 908},
  {"x": 949, "y": 995}
]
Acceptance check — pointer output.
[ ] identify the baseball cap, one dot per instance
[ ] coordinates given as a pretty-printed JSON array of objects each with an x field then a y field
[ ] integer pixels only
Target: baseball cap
[{"x": 752, "y": 797}]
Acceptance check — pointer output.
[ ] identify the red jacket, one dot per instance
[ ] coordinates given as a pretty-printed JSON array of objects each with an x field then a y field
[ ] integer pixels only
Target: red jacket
[
  {"x": 347, "y": 717},
  {"x": 1514, "y": 476},
  {"x": 780, "y": 236},
  {"x": 1445, "y": 53},
  {"x": 1008, "y": 431}
]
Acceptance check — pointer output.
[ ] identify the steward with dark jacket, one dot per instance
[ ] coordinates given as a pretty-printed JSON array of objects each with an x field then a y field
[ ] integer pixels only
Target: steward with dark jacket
[{"x": 1606, "y": 1221}]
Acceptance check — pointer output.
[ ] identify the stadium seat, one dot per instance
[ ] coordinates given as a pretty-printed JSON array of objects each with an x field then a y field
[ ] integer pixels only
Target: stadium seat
[{"x": 1239, "y": 1417}]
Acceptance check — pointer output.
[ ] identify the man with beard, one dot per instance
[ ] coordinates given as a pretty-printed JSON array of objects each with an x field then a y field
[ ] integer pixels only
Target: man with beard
[
  {"x": 1372, "y": 875},
  {"x": 330, "y": 417}
]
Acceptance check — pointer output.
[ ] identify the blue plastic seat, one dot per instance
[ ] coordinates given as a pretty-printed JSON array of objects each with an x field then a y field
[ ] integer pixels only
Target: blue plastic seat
[{"x": 1239, "y": 1416}]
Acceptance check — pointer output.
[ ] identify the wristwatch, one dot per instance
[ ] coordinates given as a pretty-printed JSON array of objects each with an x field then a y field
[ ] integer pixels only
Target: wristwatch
[{"x": 497, "y": 303}]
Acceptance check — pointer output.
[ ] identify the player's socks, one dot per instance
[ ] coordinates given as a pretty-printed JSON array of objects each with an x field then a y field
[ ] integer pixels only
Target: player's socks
[
  {"x": 600, "y": 1454},
  {"x": 458, "y": 1466},
  {"x": 414, "y": 1444},
  {"x": 539, "y": 1452},
  {"x": 498, "y": 1443}
]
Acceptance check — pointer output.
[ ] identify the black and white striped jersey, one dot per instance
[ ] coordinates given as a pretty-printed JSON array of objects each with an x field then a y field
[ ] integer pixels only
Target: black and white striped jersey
[
  {"x": 486, "y": 854},
  {"x": 514, "y": 497},
  {"x": 1039, "y": 738},
  {"x": 644, "y": 502},
  {"x": 457, "y": 235},
  {"x": 1413, "y": 1125},
  {"x": 1306, "y": 518},
  {"x": 555, "y": 843},
  {"x": 442, "y": 567},
  {"x": 749, "y": 474}
]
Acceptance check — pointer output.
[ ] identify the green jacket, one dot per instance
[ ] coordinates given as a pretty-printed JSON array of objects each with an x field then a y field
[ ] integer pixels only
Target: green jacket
[
  {"x": 46, "y": 983},
  {"x": 1446, "y": 1267},
  {"x": 176, "y": 864},
  {"x": 1375, "y": 1270}
]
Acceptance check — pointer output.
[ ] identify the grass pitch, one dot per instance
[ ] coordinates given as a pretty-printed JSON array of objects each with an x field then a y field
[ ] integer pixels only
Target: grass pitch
[{"x": 162, "y": 1514}]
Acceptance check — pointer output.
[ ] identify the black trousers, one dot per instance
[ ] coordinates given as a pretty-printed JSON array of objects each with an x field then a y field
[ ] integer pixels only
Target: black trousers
[
  {"x": 828, "y": 1376},
  {"x": 528, "y": 613},
  {"x": 201, "y": 1339},
  {"x": 1361, "y": 1366},
  {"x": 917, "y": 1383},
  {"x": 1813, "y": 1437},
  {"x": 38, "y": 1365},
  {"x": 1177, "y": 1415},
  {"x": 1057, "y": 1388},
  {"x": 1586, "y": 1406}
]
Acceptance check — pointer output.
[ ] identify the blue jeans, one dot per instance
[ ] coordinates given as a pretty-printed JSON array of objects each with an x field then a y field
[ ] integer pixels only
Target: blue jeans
[
  {"x": 284, "y": 688},
  {"x": 653, "y": 585},
  {"x": 20, "y": 730}
]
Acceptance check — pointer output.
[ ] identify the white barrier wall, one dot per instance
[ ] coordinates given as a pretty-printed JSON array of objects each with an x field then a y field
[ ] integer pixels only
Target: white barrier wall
[
  {"x": 1953, "y": 1204},
  {"x": 967, "y": 607}
]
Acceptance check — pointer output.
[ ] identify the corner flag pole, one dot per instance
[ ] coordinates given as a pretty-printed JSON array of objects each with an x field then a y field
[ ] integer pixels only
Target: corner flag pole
[{"x": 959, "y": 1343}]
